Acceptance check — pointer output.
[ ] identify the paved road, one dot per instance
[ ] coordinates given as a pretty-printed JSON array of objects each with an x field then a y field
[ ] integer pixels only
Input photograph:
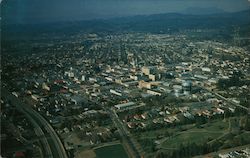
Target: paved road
[
  {"x": 226, "y": 100},
  {"x": 52, "y": 145},
  {"x": 125, "y": 134},
  {"x": 230, "y": 102},
  {"x": 134, "y": 146}
]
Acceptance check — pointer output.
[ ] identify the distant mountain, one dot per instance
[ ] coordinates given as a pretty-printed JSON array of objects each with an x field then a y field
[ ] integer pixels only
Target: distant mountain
[
  {"x": 158, "y": 23},
  {"x": 172, "y": 22},
  {"x": 202, "y": 11}
]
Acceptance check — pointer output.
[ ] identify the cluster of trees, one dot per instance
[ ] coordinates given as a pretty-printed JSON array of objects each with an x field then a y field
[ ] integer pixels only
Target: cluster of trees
[
  {"x": 198, "y": 120},
  {"x": 245, "y": 123},
  {"x": 191, "y": 149},
  {"x": 188, "y": 150},
  {"x": 148, "y": 144},
  {"x": 235, "y": 80}
]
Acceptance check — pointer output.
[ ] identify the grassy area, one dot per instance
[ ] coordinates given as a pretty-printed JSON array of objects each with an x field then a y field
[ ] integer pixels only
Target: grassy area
[
  {"x": 158, "y": 132},
  {"x": 86, "y": 153},
  {"x": 171, "y": 138},
  {"x": 241, "y": 138},
  {"x": 186, "y": 137},
  {"x": 196, "y": 135},
  {"x": 112, "y": 151},
  {"x": 214, "y": 126}
]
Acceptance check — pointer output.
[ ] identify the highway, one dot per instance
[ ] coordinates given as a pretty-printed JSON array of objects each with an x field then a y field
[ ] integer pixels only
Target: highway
[
  {"x": 52, "y": 146},
  {"x": 39, "y": 133}
]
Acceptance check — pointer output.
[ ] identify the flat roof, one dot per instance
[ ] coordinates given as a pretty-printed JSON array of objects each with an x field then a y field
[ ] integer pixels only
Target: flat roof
[{"x": 124, "y": 104}]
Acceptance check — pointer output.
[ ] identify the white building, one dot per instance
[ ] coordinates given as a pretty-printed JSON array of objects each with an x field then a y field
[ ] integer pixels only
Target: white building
[{"x": 124, "y": 106}]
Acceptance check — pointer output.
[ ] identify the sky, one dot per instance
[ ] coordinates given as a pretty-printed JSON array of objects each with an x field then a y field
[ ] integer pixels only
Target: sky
[{"x": 38, "y": 11}]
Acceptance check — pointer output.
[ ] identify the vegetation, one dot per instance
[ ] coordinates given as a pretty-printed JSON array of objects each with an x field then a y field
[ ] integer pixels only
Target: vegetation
[
  {"x": 235, "y": 80},
  {"x": 113, "y": 151},
  {"x": 201, "y": 137}
]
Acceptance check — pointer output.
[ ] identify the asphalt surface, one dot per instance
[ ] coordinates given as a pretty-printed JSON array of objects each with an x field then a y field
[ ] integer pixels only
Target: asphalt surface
[
  {"x": 52, "y": 146},
  {"x": 227, "y": 100},
  {"x": 134, "y": 147}
]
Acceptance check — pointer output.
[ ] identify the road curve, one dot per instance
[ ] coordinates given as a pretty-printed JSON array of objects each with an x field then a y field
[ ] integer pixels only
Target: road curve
[{"x": 55, "y": 143}]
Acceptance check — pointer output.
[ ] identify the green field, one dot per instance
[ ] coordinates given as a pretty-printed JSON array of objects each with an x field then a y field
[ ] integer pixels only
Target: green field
[
  {"x": 192, "y": 134},
  {"x": 112, "y": 151},
  {"x": 207, "y": 133},
  {"x": 190, "y": 137}
]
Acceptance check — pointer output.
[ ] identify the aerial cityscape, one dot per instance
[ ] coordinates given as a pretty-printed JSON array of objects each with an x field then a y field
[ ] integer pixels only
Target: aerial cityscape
[{"x": 160, "y": 85}]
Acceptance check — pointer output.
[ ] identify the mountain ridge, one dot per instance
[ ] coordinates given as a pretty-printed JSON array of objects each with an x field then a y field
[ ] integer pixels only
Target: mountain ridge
[{"x": 167, "y": 22}]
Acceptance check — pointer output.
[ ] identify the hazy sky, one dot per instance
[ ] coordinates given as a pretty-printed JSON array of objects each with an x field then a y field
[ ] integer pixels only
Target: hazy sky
[{"x": 33, "y": 11}]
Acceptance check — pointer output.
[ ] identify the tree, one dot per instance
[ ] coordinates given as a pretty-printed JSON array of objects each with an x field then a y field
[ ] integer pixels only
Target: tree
[{"x": 247, "y": 124}]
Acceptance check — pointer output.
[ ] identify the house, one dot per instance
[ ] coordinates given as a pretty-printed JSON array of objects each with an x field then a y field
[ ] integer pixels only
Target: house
[
  {"x": 124, "y": 105},
  {"x": 78, "y": 100}
]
